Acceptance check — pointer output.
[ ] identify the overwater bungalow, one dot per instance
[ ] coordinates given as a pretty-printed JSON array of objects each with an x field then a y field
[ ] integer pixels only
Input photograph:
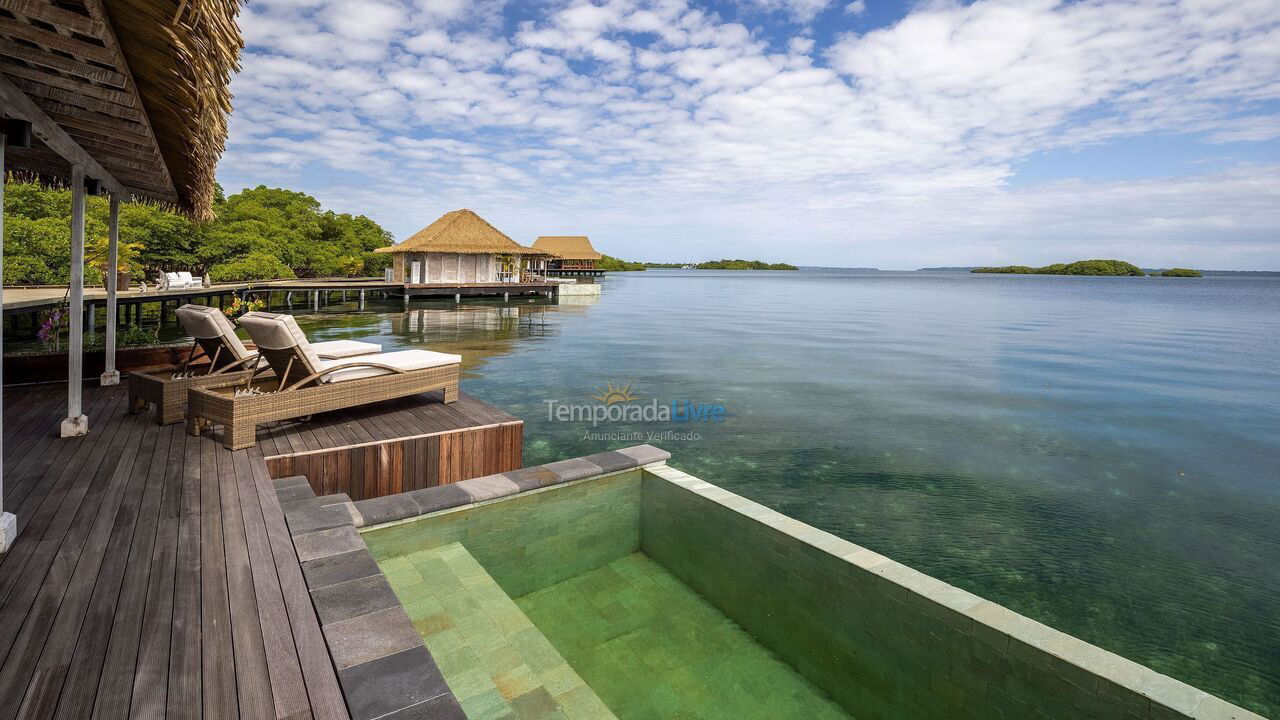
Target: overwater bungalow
[
  {"x": 462, "y": 247},
  {"x": 570, "y": 254}
]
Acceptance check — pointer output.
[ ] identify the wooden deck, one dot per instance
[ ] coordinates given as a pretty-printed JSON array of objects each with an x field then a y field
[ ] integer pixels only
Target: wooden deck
[{"x": 153, "y": 574}]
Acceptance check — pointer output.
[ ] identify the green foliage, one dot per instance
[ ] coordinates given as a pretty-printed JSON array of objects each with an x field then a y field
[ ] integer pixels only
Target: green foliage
[
  {"x": 1180, "y": 272},
  {"x": 134, "y": 336},
  {"x": 255, "y": 265},
  {"x": 259, "y": 233},
  {"x": 743, "y": 265},
  {"x": 1080, "y": 267},
  {"x": 613, "y": 264}
]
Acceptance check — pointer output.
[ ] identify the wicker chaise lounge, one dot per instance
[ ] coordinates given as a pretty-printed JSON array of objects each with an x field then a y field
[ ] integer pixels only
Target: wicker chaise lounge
[
  {"x": 305, "y": 384},
  {"x": 230, "y": 362}
]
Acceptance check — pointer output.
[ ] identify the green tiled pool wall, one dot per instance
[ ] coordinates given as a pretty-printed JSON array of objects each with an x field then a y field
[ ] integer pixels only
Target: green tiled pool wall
[
  {"x": 653, "y": 649},
  {"x": 496, "y": 662},
  {"x": 534, "y": 539},
  {"x": 884, "y": 640}
]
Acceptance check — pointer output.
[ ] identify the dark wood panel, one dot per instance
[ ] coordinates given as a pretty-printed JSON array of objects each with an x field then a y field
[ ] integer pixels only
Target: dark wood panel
[{"x": 392, "y": 466}]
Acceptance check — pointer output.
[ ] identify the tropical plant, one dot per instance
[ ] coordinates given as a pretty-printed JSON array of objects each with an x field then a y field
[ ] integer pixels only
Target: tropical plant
[
  {"x": 53, "y": 323},
  {"x": 240, "y": 306},
  {"x": 128, "y": 259}
]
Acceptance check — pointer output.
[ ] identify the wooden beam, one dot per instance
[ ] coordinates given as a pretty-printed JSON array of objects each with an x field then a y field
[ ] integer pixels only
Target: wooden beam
[
  {"x": 17, "y": 104},
  {"x": 74, "y": 84},
  {"x": 62, "y": 108},
  {"x": 75, "y": 98},
  {"x": 45, "y": 11},
  {"x": 118, "y": 130},
  {"x": 55, "y": 41},
  {"x": 89, "y": 137},
  {"x": 111, "y": 154},
  {"x": 36, "y": 56}
]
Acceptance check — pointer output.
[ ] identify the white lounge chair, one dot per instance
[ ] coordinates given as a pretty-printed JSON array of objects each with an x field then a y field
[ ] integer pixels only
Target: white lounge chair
[
  {"x": 230, "y": 363},
  {"x": 306, "y": 383}
]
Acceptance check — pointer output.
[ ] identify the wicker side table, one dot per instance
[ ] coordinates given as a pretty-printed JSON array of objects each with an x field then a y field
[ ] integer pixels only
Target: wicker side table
[{"x": 169, "y": 394}]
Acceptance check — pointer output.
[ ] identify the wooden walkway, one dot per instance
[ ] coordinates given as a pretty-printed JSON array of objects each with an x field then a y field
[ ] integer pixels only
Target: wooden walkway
[{"x": 153, "y": 575}]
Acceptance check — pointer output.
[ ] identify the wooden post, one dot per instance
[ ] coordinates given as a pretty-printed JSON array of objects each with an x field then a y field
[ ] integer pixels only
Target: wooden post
[
  {"x": 361, "y": 298},
  {"x": 76, "y": 423},
  {"x": 110, "y": 376},
  {"x": 315, "y": 300},
  {"x": 8, "y": 521}
]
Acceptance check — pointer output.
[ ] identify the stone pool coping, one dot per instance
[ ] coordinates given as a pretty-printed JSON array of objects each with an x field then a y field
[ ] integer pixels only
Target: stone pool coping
[{"x": 383, "y": 667}]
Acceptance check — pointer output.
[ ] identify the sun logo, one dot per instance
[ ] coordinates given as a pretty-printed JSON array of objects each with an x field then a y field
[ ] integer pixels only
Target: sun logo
[{"x": 611, "y": 394}]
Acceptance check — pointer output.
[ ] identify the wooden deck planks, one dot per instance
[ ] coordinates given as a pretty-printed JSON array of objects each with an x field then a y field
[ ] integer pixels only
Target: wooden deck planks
[{"x": 154, "y": 575}]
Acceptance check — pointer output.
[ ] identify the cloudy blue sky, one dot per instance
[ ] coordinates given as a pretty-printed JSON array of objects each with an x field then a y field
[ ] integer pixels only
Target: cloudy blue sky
[{"x": 864, "y": 133}]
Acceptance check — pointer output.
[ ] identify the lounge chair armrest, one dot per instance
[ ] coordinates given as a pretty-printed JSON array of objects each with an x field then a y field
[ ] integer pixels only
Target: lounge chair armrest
[
  {"x": 238, "y": 365},
  {"x": 316, "y": 376}
]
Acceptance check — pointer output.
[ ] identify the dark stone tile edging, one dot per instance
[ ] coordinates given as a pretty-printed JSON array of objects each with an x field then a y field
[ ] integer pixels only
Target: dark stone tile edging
[
  {"x": 383, "y": 667},
  {"x": 375, "y": 511}
]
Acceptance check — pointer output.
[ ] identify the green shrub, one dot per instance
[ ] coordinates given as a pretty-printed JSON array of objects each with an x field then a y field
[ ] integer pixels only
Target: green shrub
[
  {"x": 1180, "y": 272},
  {"x": 254, "y": 266}
]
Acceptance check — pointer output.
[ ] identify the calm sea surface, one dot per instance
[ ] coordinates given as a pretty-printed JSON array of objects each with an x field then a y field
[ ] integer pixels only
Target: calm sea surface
[{"x": 1101, "y": 454}]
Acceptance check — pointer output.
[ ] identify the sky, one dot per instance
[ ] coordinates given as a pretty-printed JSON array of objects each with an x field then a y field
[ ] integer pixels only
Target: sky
[{"x": 868, "y": 133}]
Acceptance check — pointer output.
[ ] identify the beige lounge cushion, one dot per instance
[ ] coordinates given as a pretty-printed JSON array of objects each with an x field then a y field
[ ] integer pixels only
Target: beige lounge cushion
[
  {"x": 207, "y": 323},
  {"x": 334, "y": 349},
  {"x": 402, "y": 359},
  {"x": 274, "y": 331}
]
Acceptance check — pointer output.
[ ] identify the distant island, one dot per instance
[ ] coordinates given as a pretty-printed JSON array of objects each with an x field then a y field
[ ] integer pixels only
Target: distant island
[
  {"x": 1180, "y": 272},
  {"x": 1080, "y": 267},
  {"x": 743, "y": 265},
  {"x": 964, "y": 268},
  {"x": 609, "y": 263}
]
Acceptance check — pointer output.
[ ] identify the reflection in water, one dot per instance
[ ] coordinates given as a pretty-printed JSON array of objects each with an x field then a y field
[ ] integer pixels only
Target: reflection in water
[{"x": 477, "y": 330}]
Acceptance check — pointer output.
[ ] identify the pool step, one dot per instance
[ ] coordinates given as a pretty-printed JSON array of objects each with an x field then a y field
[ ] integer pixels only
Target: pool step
[{"x": 496, "y": 662}]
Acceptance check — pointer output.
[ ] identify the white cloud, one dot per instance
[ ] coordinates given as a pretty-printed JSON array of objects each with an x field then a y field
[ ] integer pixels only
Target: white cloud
[
  {"x": 800, "y": 10},
  {"x": 902, "y": 142},
  {"x": 857, "y": 7},
  {"x": 365, "y": 19}
]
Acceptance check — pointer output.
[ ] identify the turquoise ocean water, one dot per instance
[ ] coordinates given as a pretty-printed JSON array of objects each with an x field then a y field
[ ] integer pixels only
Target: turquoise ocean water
[{"x": 1101, "y": 454}]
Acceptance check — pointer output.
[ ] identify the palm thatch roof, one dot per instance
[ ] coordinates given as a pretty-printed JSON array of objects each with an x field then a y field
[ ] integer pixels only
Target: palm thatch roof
[
  {"x": 140, "y": 85},
  {"x": 569, "y": 247},
  {"x": 460, "y": 231}
]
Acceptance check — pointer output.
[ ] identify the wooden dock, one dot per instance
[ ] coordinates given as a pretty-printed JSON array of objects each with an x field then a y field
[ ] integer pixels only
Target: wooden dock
[{"x": 153, "y": 574}]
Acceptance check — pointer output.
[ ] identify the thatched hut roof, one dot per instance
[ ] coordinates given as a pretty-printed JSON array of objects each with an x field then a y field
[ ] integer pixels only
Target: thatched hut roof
[
  {"x": 140, "y": 85},
  {"x": 460, "y": 231},
  {"x": 569, "y": 247}
]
